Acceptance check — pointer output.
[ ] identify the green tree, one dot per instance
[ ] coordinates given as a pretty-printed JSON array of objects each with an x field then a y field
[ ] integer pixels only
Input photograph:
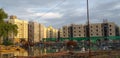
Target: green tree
[
  {"x": 3, "y": 15},
  {"x": 9, "y": 29},
  {"x": 6, "y": 28}
]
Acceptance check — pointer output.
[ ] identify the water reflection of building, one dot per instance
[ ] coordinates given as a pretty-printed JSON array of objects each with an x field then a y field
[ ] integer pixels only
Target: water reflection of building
[
  {"x": 12, "y": 54},
  {"x": 44, "y": 51},
  {"x": 20, "y": 53},
  {"x": 36, "y": 51},
  {"x": 6, "y": 55}
]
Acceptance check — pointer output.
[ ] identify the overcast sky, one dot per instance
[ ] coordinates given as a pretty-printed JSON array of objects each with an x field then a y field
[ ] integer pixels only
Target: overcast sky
[{"x": 58, "y": 13}]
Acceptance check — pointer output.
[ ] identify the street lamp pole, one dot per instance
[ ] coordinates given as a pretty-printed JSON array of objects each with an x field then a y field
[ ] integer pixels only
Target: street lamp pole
[
  {"x": 88, "y": 13},
  {"x": 88, "y": 28}
]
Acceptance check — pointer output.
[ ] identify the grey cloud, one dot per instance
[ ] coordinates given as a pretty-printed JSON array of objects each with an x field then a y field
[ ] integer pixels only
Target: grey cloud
[
  {"x": 99, "y": 10},
  {"x": 106, "y": 11}
]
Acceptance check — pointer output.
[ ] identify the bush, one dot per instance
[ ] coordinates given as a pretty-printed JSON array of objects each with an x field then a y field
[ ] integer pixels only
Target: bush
[{"x": 7, "y": 43}]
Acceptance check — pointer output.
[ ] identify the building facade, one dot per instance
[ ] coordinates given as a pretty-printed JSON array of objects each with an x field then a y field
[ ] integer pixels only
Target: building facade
[
  {"x": 42, "y": 31},
  {"x": 36, "y": 32},
  {"x": 73, "y": 30},
  {"x": 22, "y": 29},
  {"x": 33, "y": 32},
  {"x": 77, "y": 30},
  {"x": 60, "y": 33},
  {"x": 65, "y": 32},
  {"x": 96, "y": 30},
  {"x": 52, "y": 32}
]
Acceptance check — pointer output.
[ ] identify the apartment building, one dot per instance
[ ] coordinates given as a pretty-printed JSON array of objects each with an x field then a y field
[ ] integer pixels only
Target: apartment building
[
  {"x": 52, "y": 32},
  {"x": 77, "y": 30},
  {"x": 42, "y": 31},
  {"x": 65, "y": 31},
  {"x": 74, "y": 30},
  {"x": 36, "y": 32},
  {"x": 111, "y": 29},
  {"x": 33, "y": 32},
  {"x": 60, "y": 33},
  {"x": 22, "y": 29},
  {"x": 95, "y": 29}
]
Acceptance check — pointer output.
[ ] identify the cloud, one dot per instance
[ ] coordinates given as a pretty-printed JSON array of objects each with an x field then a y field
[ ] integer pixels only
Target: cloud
[
  {"x": 80, "y": 12},
  {"x": 117, "y": 6},
  {"x": 65, "y": 13},
  {"x": 50, "y": 15}
]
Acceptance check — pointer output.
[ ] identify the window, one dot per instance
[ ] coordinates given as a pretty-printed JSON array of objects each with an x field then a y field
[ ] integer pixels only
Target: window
[
  {"x": 63, "y": 28},
  {"x": 91, "y": 34},
  {"x": 79, "y": 27},
  {"x": 102, "y": 30},
  {"x": 91, "y": 30},
  {"x": 110, "y": 25},
  {"x": 96, "y": 26},
  {"x": 110, "y": 29},
  {"x": 84, "y": 30},
  {"x": 68, "y": 31},
  {"x": 91, "y": 26},
  {"x": 69, "y": 35},
  {"x": 74, "y": 28},
  {"x": 110, "y": 33},
  {"x": 74, "y": 34},
  {"x": 102, "y": 33},
  {"x": 74, "y": 31},
  {"x": 97, "y": 30},
  {"x": 79, "y": 34},
  {"x": 79, "y": 31},
  {"x": 97, "y": 34}
]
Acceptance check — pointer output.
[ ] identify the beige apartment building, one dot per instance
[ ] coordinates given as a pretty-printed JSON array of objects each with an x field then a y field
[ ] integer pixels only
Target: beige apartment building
[
  {"x": 78, "y": 30},
  {"x": 22, "y": 29},
  {"x": 61, "y": 32},
  {"x": 52, "y": 32},
  {"x": 55, "y": 33},
  {"x": 36, "y": 32},
  {"x": 33, "y": 32},
  {"x": 65, "y": 31},
  {"x": 45, "y": 32},
  {"x": 96, "y": 29},
  {"x": 73, "y": 30},
  {"x": 42, "y": 31},
  {"x": 112, "y": 29}
]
